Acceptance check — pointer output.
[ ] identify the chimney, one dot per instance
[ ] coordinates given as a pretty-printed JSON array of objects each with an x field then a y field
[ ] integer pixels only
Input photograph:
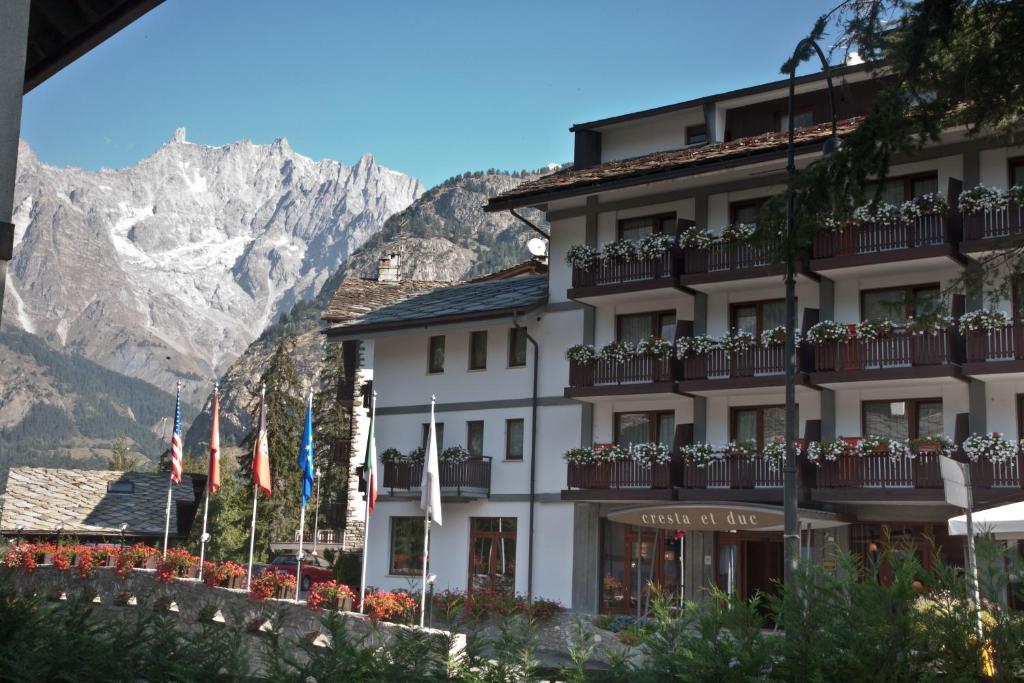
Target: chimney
[{"x": 389, "y": 268}]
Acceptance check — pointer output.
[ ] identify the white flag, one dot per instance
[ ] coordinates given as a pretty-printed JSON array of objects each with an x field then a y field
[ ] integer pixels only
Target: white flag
[{"x": 430, "y": 487}]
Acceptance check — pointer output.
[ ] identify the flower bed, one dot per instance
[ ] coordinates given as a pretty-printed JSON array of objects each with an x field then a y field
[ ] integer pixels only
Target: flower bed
[
  {"x": 397, "y": 607},
  {"x": 478, "y": 606},
  {"x": 644, "y": 453}
]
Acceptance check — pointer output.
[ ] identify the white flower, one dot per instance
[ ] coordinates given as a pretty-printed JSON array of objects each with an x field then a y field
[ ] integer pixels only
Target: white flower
[
  {"x": 983, "y": 321},
  {"x": 993, "y": 447}
]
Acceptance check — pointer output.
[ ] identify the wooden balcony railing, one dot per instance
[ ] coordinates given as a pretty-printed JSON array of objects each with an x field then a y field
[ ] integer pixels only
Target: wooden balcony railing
[
  {"x": 732, "y": 473},
  {"x": 619, "y": 272},
  {"x": 618, "y": 475},
  {"x": 723, "y": 257},
  {"x": 634, "y": 370},
  {"x": 893, "y": 351},
  {"x": 918, "y": 472},
  {"x": 474, "y": 474},
  {"x": 872, "y": 238},
  {"x": 324, "y": 536},
  {"x": 757, "y": 361},
  {"x": 1006, "y": 343},
  {"x": 992, "y": 224}
]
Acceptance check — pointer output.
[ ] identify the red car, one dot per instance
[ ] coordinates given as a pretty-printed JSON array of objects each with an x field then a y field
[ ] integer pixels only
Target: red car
[{"x": 315, "y": 569}]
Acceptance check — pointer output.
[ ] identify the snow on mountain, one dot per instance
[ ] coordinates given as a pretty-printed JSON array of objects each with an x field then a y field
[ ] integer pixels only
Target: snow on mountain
[{"x": 189, "y": 254}]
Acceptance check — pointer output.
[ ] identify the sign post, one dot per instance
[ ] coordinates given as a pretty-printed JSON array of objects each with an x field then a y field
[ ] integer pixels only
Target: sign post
[{"x": 956, "y": 482}]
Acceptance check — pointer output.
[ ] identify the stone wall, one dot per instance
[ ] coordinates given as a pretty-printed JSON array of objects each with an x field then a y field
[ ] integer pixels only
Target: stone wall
[{"x": 195, "y": 602}]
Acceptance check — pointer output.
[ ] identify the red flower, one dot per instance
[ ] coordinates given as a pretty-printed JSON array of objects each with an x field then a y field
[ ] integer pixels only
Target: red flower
[{"x": 328, "y": 593}]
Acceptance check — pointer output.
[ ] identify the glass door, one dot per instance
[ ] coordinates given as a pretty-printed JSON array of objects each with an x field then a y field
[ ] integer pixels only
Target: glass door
[{"x": 492, "y": 555}]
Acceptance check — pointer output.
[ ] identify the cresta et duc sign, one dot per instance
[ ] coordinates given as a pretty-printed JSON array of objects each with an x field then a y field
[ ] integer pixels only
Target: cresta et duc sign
[{"x": 702, "y": 517}]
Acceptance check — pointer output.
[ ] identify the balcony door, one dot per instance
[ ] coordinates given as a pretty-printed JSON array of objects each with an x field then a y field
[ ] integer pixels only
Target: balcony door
[
  {"x": 749, "y": 564},
  {"x": 646, "y": 427},
  {"x": 637, "y": 228},
  {"x": 758, "y": 425},
  {"x": 635, "y": 327},
  {"x": 757, "y": 316},
  {"x": 492, "y": 555}
]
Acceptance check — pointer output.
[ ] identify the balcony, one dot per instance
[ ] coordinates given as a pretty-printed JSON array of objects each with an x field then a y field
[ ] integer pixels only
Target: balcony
[
  {"x": 897, "y": 356},
  {"x": 469, "y": 480},
  {"x": 995, "y": 352},
  {"x": 707, "y": 269},
  {"x": 720, "y": 369},
  {"x": 641, "y": 374},
  {"x": 881, "y": 477},
  {"x": 746, "y": 478},
  {"x": 928, "y": 240},
  {"x": 992, "y": 230},
  {"x": 627, "y": 279},
  {"x": 618, "y": 480}
]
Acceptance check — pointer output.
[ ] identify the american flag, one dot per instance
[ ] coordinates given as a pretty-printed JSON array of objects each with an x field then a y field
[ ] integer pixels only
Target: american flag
[{"x": 176, "y": 440}]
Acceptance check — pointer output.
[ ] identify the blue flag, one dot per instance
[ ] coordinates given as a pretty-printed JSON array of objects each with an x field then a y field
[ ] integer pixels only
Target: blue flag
[{"x": 306, "y": 453}]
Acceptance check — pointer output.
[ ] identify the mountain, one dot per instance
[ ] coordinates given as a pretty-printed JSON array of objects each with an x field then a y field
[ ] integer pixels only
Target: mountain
[
  {"x": 58, "y": 409},
  {"x": 168, "y": 269},
  {"x": 443, "y": 235}
]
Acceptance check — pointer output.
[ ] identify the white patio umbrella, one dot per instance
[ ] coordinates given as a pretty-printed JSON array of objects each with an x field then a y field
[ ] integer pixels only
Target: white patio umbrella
[{"x": 1005, "y": 522}]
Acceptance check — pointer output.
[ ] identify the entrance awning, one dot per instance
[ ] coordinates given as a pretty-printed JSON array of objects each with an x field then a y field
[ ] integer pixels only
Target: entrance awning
[
  {"x": 1005, "y": 522},
  {"x": 721, "y": 517}
]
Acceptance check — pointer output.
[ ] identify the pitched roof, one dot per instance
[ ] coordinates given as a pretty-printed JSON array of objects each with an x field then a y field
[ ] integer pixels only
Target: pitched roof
[
  {"x": 660, "y": 165},
  {"x": 40, "y": 499},
  {"x": 356, "y": 296},
  {"x": 531, "y": 267},
  {"x": 478, "y": 300}
]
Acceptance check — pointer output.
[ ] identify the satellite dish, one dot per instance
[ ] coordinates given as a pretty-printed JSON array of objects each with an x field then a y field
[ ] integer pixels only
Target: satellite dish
[{"x": 537, "y": 246}]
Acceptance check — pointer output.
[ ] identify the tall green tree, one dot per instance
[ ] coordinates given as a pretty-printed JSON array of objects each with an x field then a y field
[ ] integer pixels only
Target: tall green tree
[
  {"x": 944, "y": 64},
  {"x": 331, "y": 422},
  {"x": 122, "y": 458}
]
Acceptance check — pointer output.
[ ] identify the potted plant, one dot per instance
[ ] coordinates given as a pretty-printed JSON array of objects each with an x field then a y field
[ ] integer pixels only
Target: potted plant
[
  {"x": 696, "y": 238},
  {"x": 827, "y": 450},
  {"x": 873, "y": 329},
  {"x": 774, "y": 452},
  {"x": 581, "y": 256},
  {"x": 653, "y": 246},
  {"x": 982, "y": 199},
  {"x": 330, "y": 595},
  {"x": 884, "y": 445},
  {"x": 936, "y": 443},
  {"x": 992, "y": 447},
  {"x": 455, "y": 454},
  {"x": 620, "y": 251},
  {"x": 272, "y": 585},
  {"x": 738, "y": 232},
  {"x": 581, "y": 353},
  {"x": 983, "y": 321},
  {"x": 391, "y": 455},
  {"x": 654, "y": 346},
  {"x": 617, "y": 352},
  {"x": 177, "y": 562},
  {"x": 689, "y": 347},
  {"x": 737, "y": 341},
  {"x": 701, "y": 454},
  {"x": 137, "y": 555},
  {"x": 233, "y": 574},
  {"x": 651, "y": 453},
  {"x": 741, "y": 449},
  {"x": 581, "y": 456}
]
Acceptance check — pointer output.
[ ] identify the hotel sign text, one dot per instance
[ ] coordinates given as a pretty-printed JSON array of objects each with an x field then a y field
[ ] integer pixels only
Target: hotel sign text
[{"x": 702, "y": 517}]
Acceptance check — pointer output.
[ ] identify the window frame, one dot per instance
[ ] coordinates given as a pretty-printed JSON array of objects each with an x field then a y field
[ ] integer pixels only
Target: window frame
[
  {"x": 913, "y": 415},
  {"x": 473, "y": 336},
  {"x": 512, "y": 332},
  {"x": 416, "y": 537},
  {"x": 909, "y": 295},
  {"x": 759, "y": 304},
  {"x": 696, "y": 129},
  {"x": 657, "y": 219},
  {"x": 430, "y": 354},
  {"x": 908, "y": 183},
  {"x": 757, "y": 203},
  {"x": 1012, "y": 164},
  {"x": 652, "y": 422},
  {"x": 655, "y": 326},
  {"x": 439, "y": 426},
  {"x": 761, "y": 408},
  {"x": 470, "y": 424},
  {"x": 781, "y": 115},
  {"x": 508, "y": 440},
  {"x": 495, "y": 537}
]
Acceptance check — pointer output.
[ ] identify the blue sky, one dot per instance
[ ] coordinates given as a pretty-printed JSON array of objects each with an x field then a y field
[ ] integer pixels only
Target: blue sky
[{"x": 429, "y": 88}]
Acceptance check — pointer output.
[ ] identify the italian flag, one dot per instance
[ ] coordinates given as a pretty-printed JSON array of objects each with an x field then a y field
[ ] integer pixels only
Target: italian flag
[{"x": 370, "y": 467}]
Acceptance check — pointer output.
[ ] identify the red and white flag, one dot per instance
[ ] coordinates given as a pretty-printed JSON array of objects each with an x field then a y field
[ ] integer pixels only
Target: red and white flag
[
  {"x": 261, "y": 454},
  {"x": 214, "y": 479},
  {"x": 176, "y": 440}
]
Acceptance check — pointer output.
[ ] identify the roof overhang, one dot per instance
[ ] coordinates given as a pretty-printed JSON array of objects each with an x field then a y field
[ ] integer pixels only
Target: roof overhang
[
  {"x": 61, "y": 32},
  {"x": 344, "y": 332}
]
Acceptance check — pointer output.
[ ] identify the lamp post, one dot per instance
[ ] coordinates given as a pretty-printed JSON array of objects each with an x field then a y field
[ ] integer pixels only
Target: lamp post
[{"x": 791, "y": 536}]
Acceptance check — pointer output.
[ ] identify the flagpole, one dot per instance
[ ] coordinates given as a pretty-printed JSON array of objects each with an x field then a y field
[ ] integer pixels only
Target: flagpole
[
  {"x": 170, "y": 482},
  {"x": 252, "y": 537},
  {"x": 255, "y": 497},
  {"x": 426, "y": 525},
  {"x": 206, "y": 503},
  {"x": 298, "y": 567},
  {"x": 366, "y": 514}
]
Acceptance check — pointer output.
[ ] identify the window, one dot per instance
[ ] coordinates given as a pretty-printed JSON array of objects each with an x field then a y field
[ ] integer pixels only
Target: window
[
  {"x": 120, "y": 487},
  {"x": 492, "y": 554},
  {"x": 899, "y": 303},
  {"x": 757, "y": 316},
  {"x": 440, "y": 436},
  {"x": 475, "y": 438},
  {"x": 637, "y": 326},
  {"x": 904, "y": 188},
  {"x": 909, "y": 419},
  {"x": 650, "y": 427},
  {"x": 635, "y": 228},
  {"x": 514, "y": 439},
  {"x": 746, "y": 212},
  {"x": 1017, "y": 171},
  {"x": 802, "y": 119},
  {"x": 406, "y": 546},
  {"x": 435, "y": 355},
  {"x": 758, "y": 425},
  {"x": 477, "y": 350},
  {"x": 696, "y": 134},
  {"x": 516, "y": 347}
]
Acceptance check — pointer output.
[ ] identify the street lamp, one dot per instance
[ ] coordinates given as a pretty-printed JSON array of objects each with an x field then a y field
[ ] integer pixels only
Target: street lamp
[{"x": 791, "y": 535}]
